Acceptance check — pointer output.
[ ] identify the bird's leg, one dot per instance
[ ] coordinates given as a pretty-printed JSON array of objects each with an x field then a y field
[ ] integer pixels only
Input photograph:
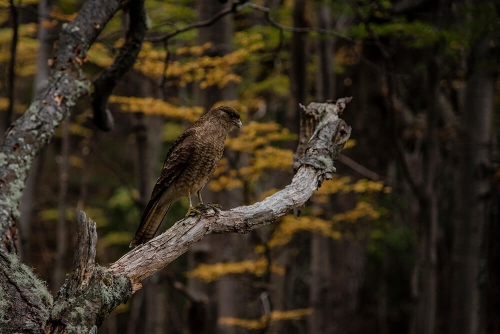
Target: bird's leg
[
  {"x": 200, "y": 200},
  {"x": 191, "y": 208},
  {"x": 203, "y": 206}
]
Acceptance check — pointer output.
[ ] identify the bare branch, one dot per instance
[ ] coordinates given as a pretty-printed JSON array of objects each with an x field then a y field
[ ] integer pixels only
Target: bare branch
[
  {"x": 106, "y": 82},
  {"x": 235, "y": 7},
  {"x": 239, "y": 6},
  {"x": 317, "y": 165}
]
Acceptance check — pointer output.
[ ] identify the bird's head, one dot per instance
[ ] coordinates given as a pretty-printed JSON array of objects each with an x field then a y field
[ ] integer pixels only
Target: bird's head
[{"x": 229, "y": 116}]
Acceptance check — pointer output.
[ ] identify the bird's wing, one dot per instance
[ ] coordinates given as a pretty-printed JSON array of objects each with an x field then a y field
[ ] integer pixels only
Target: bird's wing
[{"x": 178, "y": 158}]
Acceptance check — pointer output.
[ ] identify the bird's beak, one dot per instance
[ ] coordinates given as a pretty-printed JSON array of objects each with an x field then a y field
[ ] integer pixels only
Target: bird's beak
[{"x": 238, "y": 124}]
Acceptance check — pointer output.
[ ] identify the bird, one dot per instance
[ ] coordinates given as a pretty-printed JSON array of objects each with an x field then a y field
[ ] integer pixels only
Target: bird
[{"x": 190, "y": 162}]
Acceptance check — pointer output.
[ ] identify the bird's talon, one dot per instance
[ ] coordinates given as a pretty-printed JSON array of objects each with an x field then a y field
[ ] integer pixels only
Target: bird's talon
[
  {"x": 216, "y": 207},
  {"x": 192, "y": 211}
]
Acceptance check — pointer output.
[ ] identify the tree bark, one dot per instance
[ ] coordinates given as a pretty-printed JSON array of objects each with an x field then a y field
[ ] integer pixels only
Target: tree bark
[{"x": 24, "y": 139}]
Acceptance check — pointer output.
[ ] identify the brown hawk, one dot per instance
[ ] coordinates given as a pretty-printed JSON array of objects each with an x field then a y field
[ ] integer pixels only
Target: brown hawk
[{"x": 189, "y": 163}]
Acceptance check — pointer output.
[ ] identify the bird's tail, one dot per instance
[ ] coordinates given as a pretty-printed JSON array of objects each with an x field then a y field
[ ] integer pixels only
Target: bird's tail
[{"x": 150, "y": 222}]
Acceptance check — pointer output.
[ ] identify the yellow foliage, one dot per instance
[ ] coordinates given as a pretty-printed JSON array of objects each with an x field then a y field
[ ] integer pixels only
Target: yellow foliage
[
  {"x": 208, "y": 71},
  {"x": 343, "y": 185},
  {"x": 336, "y": 185},
  {"x": 75, "y": 161},
  {"x": 348, "y": 55},
  {"x": 150, "y": 61},
  {"x": 224, "y": 182},
  {"x": 365, "y": 185},
  {"x": 255, "y": 134},
  {"x": 77, "y": 129},
  {"x": 266, "y": 158},
  {"x": 100, "y": 55},
  {"x": 18, "y": 108},
  {"x": 27, "y": 48},
  {"x": 151, "y": 106},
  {"x": 211, "y": 272},
  {"x": 194, "y": 50},
  {"x": 58, "y": 14},
  {"x": 263, "y": 321},
  {"x": 362, "y": 210},
  {"x": 290, "y": 225},
  {"x": 350, "y": 144}
]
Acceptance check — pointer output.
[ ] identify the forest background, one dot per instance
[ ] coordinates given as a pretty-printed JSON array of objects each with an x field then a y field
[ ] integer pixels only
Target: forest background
[{"x": 401, "y": 240}]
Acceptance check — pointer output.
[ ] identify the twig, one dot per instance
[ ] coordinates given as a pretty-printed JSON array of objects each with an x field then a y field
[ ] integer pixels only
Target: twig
[
  {"x": 360, "y": 169},
  {"x": 236, "y": 7}
]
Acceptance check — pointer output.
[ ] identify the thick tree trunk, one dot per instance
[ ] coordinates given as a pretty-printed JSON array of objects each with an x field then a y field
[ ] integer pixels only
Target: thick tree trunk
[{"x": 472, "y": 193}]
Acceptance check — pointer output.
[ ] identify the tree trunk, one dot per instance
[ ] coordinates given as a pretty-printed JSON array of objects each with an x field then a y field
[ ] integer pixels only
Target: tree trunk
[
  {"x": 27, "y": 204},
  {"x": 321, "y": 280},
  {"x": 472, "y": 193}
]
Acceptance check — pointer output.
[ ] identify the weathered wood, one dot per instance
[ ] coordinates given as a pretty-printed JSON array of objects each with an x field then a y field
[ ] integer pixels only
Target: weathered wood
[
  {"x": 317, "y": 165},
  {"x": 90, "y": 293}
]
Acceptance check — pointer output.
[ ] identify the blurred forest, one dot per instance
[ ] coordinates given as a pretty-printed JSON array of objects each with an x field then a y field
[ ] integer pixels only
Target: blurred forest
[{"x": 400, "y": 241}]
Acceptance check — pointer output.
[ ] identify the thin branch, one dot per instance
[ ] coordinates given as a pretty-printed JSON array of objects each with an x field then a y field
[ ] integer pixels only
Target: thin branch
[
  {"x": 239, "y": 6},
  {"x": 235, "y": 7},
  {"x": 271, "y": 21},
  {"x": 127, "y": 55},
  {"x": 12, "y": 63},
  {"x": 360, "y": 169}
]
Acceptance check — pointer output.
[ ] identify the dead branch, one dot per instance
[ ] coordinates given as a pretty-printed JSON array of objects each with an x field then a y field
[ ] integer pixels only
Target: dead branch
[
  {"x": 91, "y": 292},
  {"x": 316, "y": 165}
]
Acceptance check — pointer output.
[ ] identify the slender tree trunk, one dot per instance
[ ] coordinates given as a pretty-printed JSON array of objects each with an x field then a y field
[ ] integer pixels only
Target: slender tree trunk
[
  {"x": 472, "y": 193},
  {"x": 62, "y": 231},
  {"x": 298, "y": 67},
  {"x": 220, "y": 298},
  {"x": 14, "y": 15},
  {"x": 426, "y": 312},
  {"x": 321, "y": 280},
  {"x": 27, "y": 204}
]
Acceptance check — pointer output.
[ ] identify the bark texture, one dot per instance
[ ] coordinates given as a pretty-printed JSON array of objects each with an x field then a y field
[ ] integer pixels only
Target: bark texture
[{"x": 24, "y": 139}]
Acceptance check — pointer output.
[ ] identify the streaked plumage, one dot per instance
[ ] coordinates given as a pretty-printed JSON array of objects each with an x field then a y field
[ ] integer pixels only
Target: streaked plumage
[{"x": 189, "y": 163}]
